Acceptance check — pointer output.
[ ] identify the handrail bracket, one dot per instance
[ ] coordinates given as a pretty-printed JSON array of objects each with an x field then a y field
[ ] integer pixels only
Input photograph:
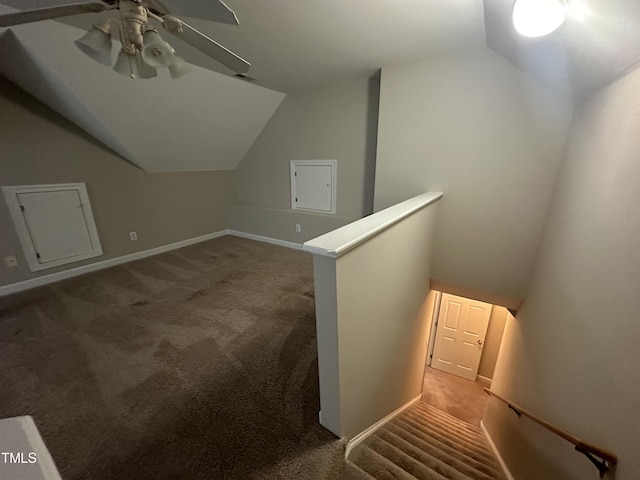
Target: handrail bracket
[
  {"x": 601, "y": 465},
  {"x": 518, "y": 412}
]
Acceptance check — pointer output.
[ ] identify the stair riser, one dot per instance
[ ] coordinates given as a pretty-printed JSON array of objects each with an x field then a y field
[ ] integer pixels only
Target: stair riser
[
  {"x": 471, "y": 438},
  {"x": 435, "y": 458},
  {"x": 424, "y": 444},
  {"x": 353, "y": 472},
  {"x": 443, "y": 432},
  {"x": 435, "y": 413},
  {"x": 406, "y": 462},
  {"x": 447, "y": 419},
  {"x": 442, "y": 417},
  {"x": 445, "y": 449},
  {"x": 428, "y": 435},
  {"x": 380, "y": 467}
]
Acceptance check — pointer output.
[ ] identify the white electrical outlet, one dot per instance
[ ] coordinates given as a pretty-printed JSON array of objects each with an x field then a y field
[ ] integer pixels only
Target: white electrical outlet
[
  {"x": 133, "y": 235},
  {"x": 298, "y": 228},
  {"x": 10, "y": 261}
]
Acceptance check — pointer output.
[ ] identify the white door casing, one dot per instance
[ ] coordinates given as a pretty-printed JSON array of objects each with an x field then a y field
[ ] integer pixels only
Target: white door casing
[{"x": 460, "y": 335}]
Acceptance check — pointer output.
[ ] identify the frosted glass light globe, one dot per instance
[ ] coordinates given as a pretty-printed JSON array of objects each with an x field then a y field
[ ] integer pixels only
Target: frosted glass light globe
[{"x": 535, "y": 18}]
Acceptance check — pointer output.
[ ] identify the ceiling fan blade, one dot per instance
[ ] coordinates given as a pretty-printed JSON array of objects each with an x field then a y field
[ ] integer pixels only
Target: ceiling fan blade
[
  {"x": 157, "y": 7},
  {"x": 208, "y": 46},
  {"x": 213, "y": 10},
  {"x": 27, "y": 16}
]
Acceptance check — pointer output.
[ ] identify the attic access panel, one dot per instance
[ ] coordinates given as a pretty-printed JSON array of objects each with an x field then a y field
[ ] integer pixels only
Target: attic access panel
[
  {"x": 54, "y": 223},
  {"x": 313, "y": 185}
]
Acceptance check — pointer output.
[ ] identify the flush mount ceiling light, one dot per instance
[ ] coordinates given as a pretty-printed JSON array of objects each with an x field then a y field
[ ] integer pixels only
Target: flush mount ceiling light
[
  {"x": 536, "y": 18},
  {"x": 143, "y": 50}
]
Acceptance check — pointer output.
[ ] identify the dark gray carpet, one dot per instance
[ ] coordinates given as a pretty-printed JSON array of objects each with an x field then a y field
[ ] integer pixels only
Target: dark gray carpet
[{"x": 198, "y": 363}]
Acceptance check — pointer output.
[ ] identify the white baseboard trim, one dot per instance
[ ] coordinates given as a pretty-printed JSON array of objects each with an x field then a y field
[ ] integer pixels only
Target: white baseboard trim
[
  {"x": 112, "y": 262},
  {"x": 495, "y": 451},
  {"x": 484, "y": 379},
  {"x": 362, "y": 436},
  {"x": 260, "y": 238}
]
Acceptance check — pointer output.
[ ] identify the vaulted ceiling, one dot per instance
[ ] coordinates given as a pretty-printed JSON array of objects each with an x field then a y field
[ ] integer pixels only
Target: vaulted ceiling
[
  {"x": 207, "y": 119},
  {"x": 598, "y": 43}
]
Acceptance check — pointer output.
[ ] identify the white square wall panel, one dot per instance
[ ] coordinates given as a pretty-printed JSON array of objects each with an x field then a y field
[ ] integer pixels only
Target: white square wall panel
[
  {"x": 313, "y": 185},
  {"x": 54, "y": 223}
]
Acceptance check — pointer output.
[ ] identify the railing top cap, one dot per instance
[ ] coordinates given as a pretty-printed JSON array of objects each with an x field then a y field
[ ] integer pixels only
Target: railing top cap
[{"x": 339, "y": 241}]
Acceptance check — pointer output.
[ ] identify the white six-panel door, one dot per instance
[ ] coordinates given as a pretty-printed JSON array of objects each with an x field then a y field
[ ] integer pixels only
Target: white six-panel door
[{"x": 460, "y": 334}]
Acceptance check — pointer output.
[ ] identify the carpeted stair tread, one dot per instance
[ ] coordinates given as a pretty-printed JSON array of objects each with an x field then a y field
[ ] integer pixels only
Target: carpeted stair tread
[
  {"x": 401, "y": 458},
  {"x": 472, "y": 439},
  {"x": 426, "y": 444},
  {"x": 353, "y": 472},
  {"x": 433, "y": 412},
  {"x": 451, "y": 443},
  {"x": 445, "y": 437},
  {"x": 380, "y": 467},
  {"x": 444, "y": 452},
  {"x": 439, "y": 461},
  {"x": 444, "y": 418},
  {"x": 448, "y": 422}
]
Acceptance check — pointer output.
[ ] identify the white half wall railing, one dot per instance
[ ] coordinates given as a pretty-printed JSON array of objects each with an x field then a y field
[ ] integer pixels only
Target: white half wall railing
[{"x": 371, "y": 281}]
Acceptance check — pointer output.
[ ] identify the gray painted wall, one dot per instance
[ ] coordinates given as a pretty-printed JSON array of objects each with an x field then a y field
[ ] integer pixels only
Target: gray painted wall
[
  {"x": 571, "y": 356},
  {"x": 474, "y": 127},
  {"x": 336, "y": 123},
  {"x": 40, "y": 147}
]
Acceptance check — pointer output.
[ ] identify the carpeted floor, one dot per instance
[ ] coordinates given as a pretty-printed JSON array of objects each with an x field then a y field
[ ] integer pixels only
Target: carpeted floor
[
  {"x": 197, "y": 363},
  {"x": 454, "y": 395}
]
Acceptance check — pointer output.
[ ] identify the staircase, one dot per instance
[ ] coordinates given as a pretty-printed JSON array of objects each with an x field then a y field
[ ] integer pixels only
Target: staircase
[{"x": 424, "y": 443}]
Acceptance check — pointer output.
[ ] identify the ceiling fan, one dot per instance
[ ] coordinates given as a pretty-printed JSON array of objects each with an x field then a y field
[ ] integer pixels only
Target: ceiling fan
[{"x": 142, "y": 48}]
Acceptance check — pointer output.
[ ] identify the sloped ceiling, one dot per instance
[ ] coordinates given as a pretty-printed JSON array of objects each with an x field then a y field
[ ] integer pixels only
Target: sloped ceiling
[
  {"x": 202, "y": 121},
  {"x": 207, "y": 119},
  {"x": 586, "y": 53}
]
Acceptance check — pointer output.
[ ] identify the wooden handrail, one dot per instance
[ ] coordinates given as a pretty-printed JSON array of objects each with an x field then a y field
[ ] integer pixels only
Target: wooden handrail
[{"x": 583, "y": 447}]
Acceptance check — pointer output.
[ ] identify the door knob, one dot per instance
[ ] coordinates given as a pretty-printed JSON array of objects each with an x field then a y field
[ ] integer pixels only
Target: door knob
[{"x": 479, "y": 342}]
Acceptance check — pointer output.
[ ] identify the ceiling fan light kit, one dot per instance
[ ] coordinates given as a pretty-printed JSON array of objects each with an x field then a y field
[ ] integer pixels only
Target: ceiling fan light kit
[
  {"x": 536, "y": 18},
  {"x": 179, "y": 68},
  {"x": 143, "y": 50},
  {"x": 156, "y": 52},
  {"x": 133, "y": 66},
  {"x": 96, "y": 43}
]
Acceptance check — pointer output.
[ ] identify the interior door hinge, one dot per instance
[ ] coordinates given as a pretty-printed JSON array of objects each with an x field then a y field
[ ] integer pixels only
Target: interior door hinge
[
  {"x": 295, "y": 174},
  {"x": 37, "y": 255}
]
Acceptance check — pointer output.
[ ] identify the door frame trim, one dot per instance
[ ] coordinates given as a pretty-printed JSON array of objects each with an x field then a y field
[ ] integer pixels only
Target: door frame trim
[{"x": 434, "y": 323}]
